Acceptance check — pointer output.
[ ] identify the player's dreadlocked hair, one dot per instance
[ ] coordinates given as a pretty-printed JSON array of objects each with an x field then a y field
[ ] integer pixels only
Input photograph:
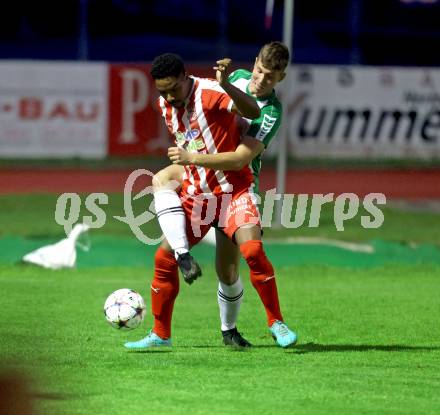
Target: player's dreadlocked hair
[
  {"x": 166, "y": 65},
  {"x": 274, "y": 56}
]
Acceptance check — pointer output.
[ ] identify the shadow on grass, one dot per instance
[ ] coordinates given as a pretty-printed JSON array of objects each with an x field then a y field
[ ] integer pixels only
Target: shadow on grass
[
  {"x": 53, "y": 396},
  {"x": 302, "y": 348},
  {"x": 151, "y": 350},
  {"x": 233, "y": 348},
  {"x": 326, "y": 348}
]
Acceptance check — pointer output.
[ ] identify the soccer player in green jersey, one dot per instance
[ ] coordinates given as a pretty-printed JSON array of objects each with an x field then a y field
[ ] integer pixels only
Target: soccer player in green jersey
[{"x": 269, "y": 69}]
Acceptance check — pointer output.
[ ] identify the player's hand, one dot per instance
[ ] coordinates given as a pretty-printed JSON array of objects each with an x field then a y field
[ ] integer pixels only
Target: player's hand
[
  {"x": 179, "y": 156},
  {"x": 222, "y": 70}
]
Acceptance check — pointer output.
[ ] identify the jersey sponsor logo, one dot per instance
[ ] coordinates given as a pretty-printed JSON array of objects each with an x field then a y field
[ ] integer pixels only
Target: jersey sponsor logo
[
  {"x": 187, "y": 136},
  {"x": 266, "y": 125},
  {"x": 180, "y": 138},
  {"x": 241, "y": 205},
  {"x": 195, "y": 145},
  {"x": 192, "y": 134},
  {"x": 189, "y": 139}
]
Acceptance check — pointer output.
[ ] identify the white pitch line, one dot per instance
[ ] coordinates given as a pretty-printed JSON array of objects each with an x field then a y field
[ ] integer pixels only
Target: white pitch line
[{"x": 350, "y": 246}]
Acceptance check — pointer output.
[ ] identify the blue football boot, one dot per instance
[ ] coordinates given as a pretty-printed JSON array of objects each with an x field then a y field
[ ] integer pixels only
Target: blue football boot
[
  {"x": 152, "y": 340},
  {"x": 282, "y": 334}
]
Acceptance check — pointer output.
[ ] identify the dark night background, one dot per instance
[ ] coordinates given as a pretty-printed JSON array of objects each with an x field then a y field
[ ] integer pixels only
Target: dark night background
[{"x": 367, "y": 32}]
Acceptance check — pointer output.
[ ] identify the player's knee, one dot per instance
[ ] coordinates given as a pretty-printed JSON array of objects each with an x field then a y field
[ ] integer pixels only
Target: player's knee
[
  {"x": 253, "y": 253},
  {"x": 160, "y": 179},
  {"x": 227, "y": 276},
  {"x": 156, "y": 181},
  {"x": 168, "y": 178}
]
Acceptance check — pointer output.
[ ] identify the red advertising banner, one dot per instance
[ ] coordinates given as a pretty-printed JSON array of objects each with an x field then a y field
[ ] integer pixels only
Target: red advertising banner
[{"x": 133, "y": 123}]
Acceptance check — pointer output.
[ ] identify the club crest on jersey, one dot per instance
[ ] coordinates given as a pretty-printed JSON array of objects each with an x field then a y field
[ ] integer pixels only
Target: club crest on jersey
[{"x": 192, "y": 114}]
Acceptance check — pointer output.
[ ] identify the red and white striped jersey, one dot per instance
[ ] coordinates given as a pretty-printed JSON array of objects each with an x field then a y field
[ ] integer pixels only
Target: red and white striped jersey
[{"x": 206, "y": 125}]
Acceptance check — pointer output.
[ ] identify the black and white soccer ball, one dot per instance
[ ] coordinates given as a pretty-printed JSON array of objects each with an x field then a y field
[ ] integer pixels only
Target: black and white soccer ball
[{"x": 124, "y": 309}]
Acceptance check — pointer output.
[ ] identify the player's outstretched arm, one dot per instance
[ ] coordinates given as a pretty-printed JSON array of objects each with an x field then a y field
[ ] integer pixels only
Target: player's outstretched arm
[
  {"x": 247, "y": 150},
  {"x": 244, "y": 104}
]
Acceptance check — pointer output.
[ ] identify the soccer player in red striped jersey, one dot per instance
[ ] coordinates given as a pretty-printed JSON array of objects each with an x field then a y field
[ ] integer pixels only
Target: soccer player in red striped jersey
[
  {"x": 203, "y": 125},
  {"x": 269, "y": 69}
]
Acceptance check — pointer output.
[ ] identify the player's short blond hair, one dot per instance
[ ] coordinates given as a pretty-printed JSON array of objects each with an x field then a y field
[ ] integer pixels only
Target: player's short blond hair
[{"x": 274, "y": 56}]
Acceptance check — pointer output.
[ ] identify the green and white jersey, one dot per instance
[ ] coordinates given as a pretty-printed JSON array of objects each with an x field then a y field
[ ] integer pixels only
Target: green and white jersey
[{"x": 265, "y": 127}]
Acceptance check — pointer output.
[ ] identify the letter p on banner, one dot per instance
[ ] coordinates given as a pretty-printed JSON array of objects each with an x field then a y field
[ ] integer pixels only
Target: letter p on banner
[{"x": 132, "y": 119}]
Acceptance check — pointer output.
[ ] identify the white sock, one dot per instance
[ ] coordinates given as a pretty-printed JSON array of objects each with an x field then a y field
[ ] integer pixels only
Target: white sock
[
  {"x": 171, "y": 219},
  {"x": 229, "y": 299}
]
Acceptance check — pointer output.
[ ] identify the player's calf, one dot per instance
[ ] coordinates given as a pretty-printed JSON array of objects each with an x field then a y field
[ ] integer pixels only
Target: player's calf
[
  {"x": 171, "y": 217},
  {"x": 262, "y": 278}
]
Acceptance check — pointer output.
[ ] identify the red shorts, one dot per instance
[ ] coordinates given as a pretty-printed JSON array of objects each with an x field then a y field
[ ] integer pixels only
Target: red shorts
[{"x": 228, "y": 212}]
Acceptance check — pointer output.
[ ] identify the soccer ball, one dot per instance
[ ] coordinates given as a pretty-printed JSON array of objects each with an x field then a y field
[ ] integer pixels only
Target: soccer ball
[{"x": 124, "y": 309}]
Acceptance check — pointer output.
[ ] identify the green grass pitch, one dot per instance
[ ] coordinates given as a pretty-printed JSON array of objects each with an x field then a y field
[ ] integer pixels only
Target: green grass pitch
[{"x": 369, "y": 337}]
